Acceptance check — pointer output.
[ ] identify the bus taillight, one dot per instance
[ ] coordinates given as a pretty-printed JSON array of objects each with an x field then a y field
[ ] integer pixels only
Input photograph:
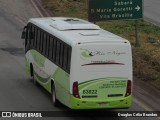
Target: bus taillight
[
  {"x": 129, "y": 87},
  {"x": 75, "y": 90}
]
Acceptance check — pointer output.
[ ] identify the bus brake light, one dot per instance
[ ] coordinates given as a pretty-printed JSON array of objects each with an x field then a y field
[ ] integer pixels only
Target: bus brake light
[
  {"x": 129, "y": 87},
  {"x": 75, "y": 90}
]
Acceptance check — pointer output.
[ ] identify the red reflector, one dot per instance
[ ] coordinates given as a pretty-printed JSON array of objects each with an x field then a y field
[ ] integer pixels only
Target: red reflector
[
  {"x": 129, "y": 87},
  {"x": 75, "y": 90}
]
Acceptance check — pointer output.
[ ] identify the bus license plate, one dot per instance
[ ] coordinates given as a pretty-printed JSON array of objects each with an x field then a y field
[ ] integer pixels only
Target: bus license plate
[{"x": 102, "y": 104}]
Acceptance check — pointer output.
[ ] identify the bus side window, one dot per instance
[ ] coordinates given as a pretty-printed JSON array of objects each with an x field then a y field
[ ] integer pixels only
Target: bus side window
[
  {"x": 44, "y": 43},
  {"x": 48, "y": 45},
  {"x": 35, "y": 38},
  {"x": 41, "y": 42},
  {"x": 60, "y": 50},
  {"x": 38, "y": 40},
  {"x": 51, "y": 48},
  {"x": 54, "y": 50},
  {"x": 62, "y": 55},
  {"x": 57, "y": 52},
  {"x": 68, "y": 58}
]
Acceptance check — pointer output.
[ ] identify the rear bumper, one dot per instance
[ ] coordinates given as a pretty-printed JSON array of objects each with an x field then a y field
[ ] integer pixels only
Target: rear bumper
[{"x": 100, "y": 104}]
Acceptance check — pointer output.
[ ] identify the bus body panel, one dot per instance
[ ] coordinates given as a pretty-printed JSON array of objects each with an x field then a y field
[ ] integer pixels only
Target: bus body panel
[
  {"x": 45, "y": 71},
  {"x": 102, "y": 71}
]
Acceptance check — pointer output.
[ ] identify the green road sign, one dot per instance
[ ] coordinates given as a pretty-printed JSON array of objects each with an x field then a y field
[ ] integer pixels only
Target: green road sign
[{"x": 101, "y": 10}]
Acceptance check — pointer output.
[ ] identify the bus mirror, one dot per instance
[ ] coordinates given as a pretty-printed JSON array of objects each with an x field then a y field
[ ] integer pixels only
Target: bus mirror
[{"x": 23, "y": 35}]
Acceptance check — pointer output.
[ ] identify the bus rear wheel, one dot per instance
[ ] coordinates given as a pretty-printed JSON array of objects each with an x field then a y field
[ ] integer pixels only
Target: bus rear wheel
[
  {"x": 32, "y": 74},
  {"x": 34, "y": 80},
  {"x": 54, "y": 97}
]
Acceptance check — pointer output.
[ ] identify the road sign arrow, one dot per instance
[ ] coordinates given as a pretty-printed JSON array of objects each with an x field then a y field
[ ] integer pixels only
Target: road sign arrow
[{"x": 137, "y": 8}]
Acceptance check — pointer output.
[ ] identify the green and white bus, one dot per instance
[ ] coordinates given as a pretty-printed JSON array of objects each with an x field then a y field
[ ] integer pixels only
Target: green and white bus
[{"x": 80, "y": 64}]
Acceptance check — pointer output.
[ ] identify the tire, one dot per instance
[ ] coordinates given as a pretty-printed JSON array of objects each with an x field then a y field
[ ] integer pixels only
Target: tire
[
  {"x": 56, "y": 103},
  {"x": 34, "y": 80},
  {"x": 32, "y": 75}
]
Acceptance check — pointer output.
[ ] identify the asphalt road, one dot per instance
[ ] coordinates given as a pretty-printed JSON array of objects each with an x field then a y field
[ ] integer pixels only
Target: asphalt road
[
  {"x": 17, "y": 91},
  {"x": 151, "y": 11}
]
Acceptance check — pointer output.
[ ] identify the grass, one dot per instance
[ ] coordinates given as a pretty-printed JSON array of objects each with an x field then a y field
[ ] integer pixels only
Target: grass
[{"x": 146, "y": 58}]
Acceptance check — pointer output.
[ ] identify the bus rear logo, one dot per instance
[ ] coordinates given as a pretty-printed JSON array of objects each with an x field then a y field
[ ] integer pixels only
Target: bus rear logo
[{"x": 86, "y": 53}]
